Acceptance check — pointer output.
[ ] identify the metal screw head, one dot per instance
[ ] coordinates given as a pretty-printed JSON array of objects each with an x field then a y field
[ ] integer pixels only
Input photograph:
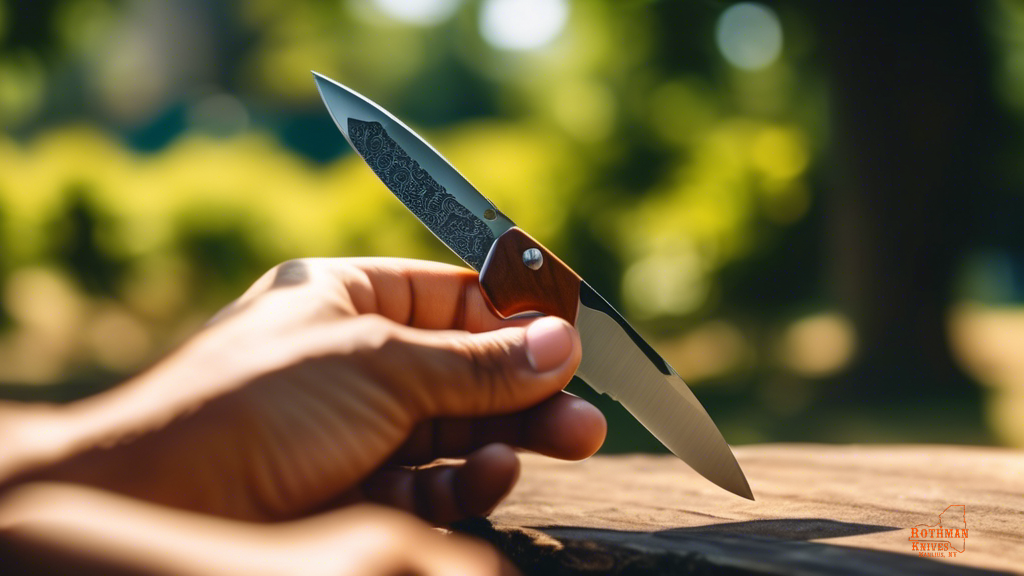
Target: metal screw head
[
  {"x": 490, "y": 214},
  {"x": 533, "y": 258}
]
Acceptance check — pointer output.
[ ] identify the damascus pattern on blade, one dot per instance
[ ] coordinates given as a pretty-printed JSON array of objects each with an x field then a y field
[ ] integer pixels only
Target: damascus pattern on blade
[{"x": 456, "y": 226}]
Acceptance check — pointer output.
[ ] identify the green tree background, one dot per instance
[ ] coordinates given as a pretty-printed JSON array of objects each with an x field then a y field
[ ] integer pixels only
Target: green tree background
[{"x": 811, "y": 209}]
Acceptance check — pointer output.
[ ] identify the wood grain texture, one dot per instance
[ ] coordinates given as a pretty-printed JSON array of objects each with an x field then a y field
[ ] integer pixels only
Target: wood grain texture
[
  {"x": 820, "y": 509},
  {"x": 511, "y": 287}
]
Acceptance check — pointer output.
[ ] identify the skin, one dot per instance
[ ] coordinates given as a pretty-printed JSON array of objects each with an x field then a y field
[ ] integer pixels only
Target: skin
[{"x": 328, "y": 385}]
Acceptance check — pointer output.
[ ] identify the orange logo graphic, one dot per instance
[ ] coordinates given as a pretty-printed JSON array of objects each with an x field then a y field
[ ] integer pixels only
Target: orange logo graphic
[{"x": 945, "y": 539}]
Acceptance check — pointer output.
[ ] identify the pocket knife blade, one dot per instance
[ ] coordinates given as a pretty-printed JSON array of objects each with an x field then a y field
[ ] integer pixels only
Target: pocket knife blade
[{"x": 616, "y": 360}]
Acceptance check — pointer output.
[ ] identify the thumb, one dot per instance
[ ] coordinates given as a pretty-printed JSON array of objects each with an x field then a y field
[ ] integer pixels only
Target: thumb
[{"x": 454, "y": 373}]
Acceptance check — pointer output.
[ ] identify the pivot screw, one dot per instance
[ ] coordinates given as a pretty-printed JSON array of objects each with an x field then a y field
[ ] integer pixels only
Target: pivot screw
[{"x": 533, "y": 258}]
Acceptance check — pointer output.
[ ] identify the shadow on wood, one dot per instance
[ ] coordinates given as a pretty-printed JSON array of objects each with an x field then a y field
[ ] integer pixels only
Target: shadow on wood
[
  {"x": 820, "y": 509},
  {"x": 760, "y": 547},
  {"x": 782, "y": 529}
]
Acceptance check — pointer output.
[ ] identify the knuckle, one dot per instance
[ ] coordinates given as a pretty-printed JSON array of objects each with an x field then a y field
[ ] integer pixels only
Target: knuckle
[
  {"x": 316, "y": 282},
  {"x": 291, "y": 266},
  {"x": 288, "y": 277},
  {"x": 381, "y": 340},
  {"x": 381, "y": 331}
]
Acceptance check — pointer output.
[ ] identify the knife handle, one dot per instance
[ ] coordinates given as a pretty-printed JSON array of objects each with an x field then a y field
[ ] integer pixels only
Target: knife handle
[{"x": 514, "y": 279}]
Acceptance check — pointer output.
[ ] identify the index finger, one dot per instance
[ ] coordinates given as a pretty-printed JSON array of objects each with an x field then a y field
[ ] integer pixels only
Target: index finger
[{"x": 422, "y": 294}]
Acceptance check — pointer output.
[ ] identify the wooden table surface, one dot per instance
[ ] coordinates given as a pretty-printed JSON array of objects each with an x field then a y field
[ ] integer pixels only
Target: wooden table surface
[{"x": 820, "y": 509}]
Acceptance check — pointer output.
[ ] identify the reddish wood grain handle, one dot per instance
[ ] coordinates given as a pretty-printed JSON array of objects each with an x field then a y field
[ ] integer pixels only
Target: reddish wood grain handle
[{"x": 512, "y": 286}]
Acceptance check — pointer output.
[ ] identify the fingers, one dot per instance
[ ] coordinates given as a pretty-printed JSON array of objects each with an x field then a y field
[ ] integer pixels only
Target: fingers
[
  {"x": 416, "y": 293},
  {"x": 563, "y": 426},
  {"x": 568, "y": 427},
  {"x": 445, "y": 493},
  {"x": 394, "y": 543},
  {"x": 422, "y": 294},
  {"x": 71, "y": 529},
  {"x": 454, "y": 373},
  {"x": 486, "y": 478},
  {"x": 368, "y": 540},
  {"x": 444, "y": 555}
]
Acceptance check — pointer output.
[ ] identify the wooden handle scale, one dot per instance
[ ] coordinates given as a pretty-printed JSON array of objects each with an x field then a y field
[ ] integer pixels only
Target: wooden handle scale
[{"x": 521, "y": 275}]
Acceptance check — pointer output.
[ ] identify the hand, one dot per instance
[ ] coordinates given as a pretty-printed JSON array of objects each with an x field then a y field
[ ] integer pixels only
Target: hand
[
  {"x": 326, "y": 372},
  {"x": 63, "y": 528}
]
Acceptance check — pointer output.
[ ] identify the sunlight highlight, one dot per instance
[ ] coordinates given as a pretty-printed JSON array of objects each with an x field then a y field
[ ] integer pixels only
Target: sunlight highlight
[
  {"x": 418, "y": 12},
  {"x": 749, "y": 36},
  {"x": 522, "y": 24}
]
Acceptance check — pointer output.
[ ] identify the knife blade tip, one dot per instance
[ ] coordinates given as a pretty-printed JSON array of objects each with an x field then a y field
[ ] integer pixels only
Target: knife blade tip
[
  {"x": 727, "y": 475},
  {"x": 320, "y": 80},
  {"x": 736, "y": 483},
  {"x": 329, "y": 91}
]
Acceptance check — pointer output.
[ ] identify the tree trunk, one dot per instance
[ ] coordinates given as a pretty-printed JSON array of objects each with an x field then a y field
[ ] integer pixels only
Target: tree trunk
[{"x": 911, "y": 136}]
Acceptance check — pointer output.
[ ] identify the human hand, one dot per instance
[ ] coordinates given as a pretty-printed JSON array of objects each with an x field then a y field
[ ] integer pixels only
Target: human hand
[
  {"x": 326, "y": 372},
  {"x": 65, "y": 528}
]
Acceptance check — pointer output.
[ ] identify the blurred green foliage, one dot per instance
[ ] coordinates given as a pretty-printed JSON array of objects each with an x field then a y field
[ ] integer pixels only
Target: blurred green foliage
[
  {"x": 606, "y": 141},
  {"x": 157, "y": 157}
]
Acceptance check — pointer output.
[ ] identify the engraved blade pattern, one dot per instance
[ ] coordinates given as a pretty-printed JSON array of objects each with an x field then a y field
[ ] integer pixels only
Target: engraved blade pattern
[
  {"x": 416, "y": 174},
  {"x": 450, "y": 221}
]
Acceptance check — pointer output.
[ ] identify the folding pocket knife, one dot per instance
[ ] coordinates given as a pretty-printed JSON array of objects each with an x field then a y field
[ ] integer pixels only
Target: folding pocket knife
[{"x": 518, "y": 274}]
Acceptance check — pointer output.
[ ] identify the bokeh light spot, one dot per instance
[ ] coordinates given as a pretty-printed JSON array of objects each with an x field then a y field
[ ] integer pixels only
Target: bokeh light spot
[
  {"x": 117, "y": 339},
  {"x": 986, "y": 340},
  {"x": 779, "y": 153},
  {"x": 418, "y": 12},
  {"x": 43, "y": 299},
  {"x": 665, "y": 284},
  {"x": 709, "y": 350},
  {"x": 522, "y": 24},
  {"x": 749, "y": 35},
  {"x": 819, "y": 344}
]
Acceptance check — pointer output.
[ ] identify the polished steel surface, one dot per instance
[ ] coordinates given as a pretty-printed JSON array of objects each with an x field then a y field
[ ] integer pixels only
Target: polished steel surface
[{"x": 613, "y": 364}]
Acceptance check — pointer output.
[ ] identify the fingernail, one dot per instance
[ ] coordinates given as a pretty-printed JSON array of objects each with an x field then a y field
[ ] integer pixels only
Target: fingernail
[{"x": 548, "y": 343}]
